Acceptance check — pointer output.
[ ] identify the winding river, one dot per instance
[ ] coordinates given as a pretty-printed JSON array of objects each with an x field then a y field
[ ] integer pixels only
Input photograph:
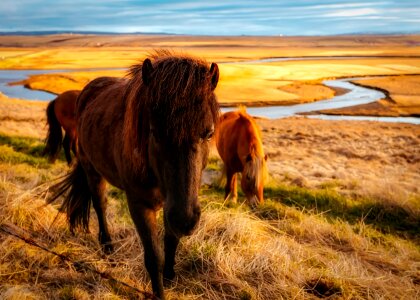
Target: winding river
[{"x": 357, "y": 95}]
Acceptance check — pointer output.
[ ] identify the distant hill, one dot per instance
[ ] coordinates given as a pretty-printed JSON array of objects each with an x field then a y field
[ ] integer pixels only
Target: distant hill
[
  {"x": 53, "y": 32},
  {"x": 50, "y": 32}
]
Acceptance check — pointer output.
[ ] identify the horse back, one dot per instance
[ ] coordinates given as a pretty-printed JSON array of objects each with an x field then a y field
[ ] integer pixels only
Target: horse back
[
  {"x": 100, "y": 113},
  {"x": 92, "y": 89}
]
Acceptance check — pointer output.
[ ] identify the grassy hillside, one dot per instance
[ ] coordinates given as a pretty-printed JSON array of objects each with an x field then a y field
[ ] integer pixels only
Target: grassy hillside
[{"x": 302, "y": 243}]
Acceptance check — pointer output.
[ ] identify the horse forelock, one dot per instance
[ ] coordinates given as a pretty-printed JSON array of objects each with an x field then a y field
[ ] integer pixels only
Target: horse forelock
[{"x": 182, "y": 101}]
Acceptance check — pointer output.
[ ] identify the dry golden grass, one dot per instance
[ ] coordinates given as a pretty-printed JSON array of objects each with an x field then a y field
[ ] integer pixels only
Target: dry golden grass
[
  {"x": 342, "y": 212},
  {"x": 257, "y": 84},
  {"x": 25, "y": 118},
  {"x": 375, "y": 159},
  {"x": 302, "y": 244},
  {"x": 281, "y": 83}
]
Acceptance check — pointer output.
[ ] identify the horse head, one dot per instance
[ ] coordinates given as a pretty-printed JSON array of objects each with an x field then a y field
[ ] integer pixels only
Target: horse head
[{"x": 182, "y": 115}]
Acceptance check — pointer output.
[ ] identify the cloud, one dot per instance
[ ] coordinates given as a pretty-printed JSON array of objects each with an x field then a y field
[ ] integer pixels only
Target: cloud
[
  {"x": 352, "y": 12},
  {"x": 233, "y": 17}
]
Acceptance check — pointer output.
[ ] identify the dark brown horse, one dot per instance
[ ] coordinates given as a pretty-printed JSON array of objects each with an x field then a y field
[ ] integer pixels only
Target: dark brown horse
[
  {"x": 148, "y": 135},
  {"x": 238, "y": 140},
  {"x": 61, "y": 115}
]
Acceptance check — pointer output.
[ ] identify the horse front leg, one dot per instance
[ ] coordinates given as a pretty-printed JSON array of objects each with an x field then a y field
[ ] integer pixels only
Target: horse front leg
[
  {"x": 171, "y": 244},
  {"x": 145, "y": 220},
  {"x": 231, "y": 186}
]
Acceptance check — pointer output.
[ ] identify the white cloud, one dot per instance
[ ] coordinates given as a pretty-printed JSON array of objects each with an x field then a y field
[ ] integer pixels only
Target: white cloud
[
  {"x": 344, "y": 5},
  {"x": 352, "y": 12}
]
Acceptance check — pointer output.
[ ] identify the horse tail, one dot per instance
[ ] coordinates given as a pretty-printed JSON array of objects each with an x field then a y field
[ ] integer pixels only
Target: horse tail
[
  {"x": 77, "y": 197},
  {"x": 53, "y": 141}
]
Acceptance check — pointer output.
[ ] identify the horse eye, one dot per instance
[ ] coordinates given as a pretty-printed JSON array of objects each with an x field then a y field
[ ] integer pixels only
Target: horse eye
[{"x": 209, "y": 135}]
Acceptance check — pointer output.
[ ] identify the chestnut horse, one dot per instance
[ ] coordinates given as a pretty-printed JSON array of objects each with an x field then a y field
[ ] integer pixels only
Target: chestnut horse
[
  {"x": 148, "y": 135},
  {"x": 61, "y": 114},
  {"x": 238, "y": 141}
]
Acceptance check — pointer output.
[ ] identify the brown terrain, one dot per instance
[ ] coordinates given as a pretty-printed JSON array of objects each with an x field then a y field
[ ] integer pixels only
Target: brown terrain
[{"x": 365, "y": 245}]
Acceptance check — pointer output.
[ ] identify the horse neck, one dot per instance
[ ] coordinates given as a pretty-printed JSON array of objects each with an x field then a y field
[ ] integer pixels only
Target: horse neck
[
  {"x": 252, "y": 135},
  {"x": 136, "y": 130}
]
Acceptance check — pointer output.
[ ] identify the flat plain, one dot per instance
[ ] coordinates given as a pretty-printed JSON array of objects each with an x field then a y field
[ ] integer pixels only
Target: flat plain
[{"x": 342, "y": 212}]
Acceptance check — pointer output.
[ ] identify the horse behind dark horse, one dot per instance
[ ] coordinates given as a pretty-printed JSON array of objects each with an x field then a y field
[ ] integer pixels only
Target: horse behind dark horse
[
  {"x": 148, "y": 135},
  {"x": 238, "y": 141},
  {"x": 61, "y": 115}
]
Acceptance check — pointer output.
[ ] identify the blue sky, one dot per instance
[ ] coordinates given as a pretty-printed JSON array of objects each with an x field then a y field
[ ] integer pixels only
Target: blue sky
[{"x": 216, "y": 17}]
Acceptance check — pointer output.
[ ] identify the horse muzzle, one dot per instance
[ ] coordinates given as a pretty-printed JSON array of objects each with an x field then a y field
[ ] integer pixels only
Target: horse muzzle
[
  {"x": 253, "y": 201},
  {"x": 183, "y": 223}
]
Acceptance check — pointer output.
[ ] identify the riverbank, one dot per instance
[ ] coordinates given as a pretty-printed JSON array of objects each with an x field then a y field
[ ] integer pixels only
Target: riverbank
[
  {"x": 402, "y": 98},
  {"x": 248, "y": 74}
]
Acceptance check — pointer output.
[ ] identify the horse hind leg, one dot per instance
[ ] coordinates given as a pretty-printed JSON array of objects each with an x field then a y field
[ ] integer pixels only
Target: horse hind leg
[
  {"x": 73, "y": 146},
  {"x": 67, "y": 146},
  {"x": 97, "y": 186}
]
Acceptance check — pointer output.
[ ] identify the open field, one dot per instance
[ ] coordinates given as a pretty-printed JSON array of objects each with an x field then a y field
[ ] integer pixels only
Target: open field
[
  {"x": 341, "y": 220},
  {"x": 243, "y": 80},
  {"x": 342, "y": 212}
]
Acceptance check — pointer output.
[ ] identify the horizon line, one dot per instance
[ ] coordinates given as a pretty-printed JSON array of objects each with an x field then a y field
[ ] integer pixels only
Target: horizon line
[{"x": 99, "y": 32}]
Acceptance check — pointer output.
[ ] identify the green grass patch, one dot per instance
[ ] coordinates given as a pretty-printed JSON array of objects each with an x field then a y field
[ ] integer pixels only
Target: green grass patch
[
  {"x": 9, "y": 155},
  {"x": 30, "y": 146},
  {"x": 214, "y": 164},
  {"x": 383, "y": 217},
  {"x": 386, "y": 218},
  {"x": 26, "y": 145}
]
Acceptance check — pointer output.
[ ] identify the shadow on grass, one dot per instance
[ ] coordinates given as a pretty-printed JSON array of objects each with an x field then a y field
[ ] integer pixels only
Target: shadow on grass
[{"x": 384, "y": 217}]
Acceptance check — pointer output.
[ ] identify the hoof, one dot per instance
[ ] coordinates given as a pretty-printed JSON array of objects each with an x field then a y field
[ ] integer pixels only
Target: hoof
[
  {"x": 168, "y": 274},
  {"x": 108, "y": 248},
  {"x": 231, "y": 198}
]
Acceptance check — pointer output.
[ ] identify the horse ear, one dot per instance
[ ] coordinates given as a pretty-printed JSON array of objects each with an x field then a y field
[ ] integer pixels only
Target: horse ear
[
  {"x": 214, "y": 75},
  {"x": 146, "y": 71}
]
